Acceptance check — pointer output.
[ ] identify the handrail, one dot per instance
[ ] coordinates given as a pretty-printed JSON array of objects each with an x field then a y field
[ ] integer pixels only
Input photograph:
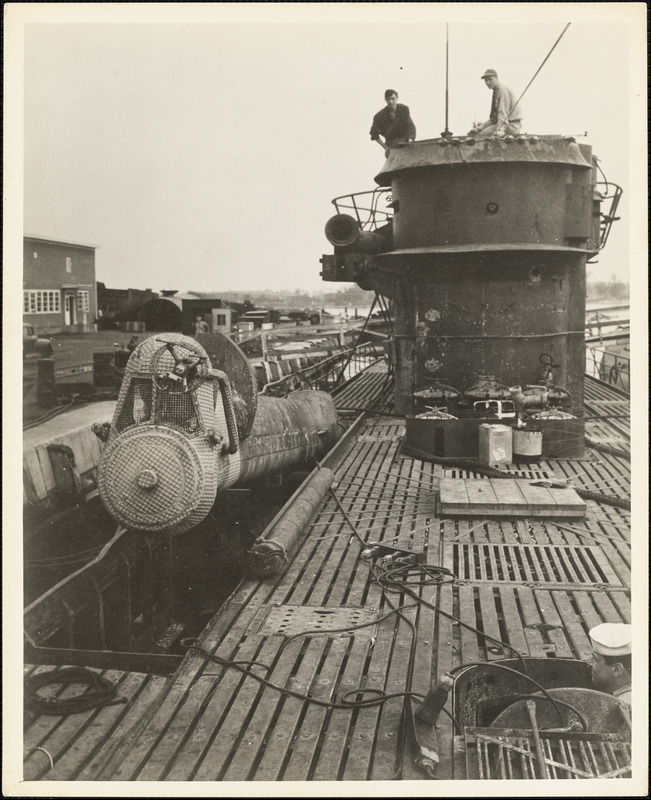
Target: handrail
[
  {"x": 595, "y": 321},
  {"x": 606, "y": 219},
  {"x": 598, "y": 309},
  {"x": 611, "y": 368},
  {"x": 369, "y": 221},
  {"x": 324, "y": 371}
]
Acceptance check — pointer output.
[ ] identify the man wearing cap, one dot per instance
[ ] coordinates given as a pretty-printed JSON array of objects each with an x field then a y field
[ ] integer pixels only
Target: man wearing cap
[
  {"x": 505, "y": 117},
  {"x": 611, "y": 659},
  {"x": 393, "y": 122}
]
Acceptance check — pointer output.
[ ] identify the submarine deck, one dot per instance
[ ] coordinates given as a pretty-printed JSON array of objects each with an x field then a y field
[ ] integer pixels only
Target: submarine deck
[{"x": 538, "y": 585}]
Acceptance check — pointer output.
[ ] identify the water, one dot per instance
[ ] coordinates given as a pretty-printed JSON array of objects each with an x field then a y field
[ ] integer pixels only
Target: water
[{"x": 347, "y": 313}]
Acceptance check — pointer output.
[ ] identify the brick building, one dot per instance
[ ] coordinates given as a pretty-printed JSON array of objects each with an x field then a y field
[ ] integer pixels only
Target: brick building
[{"x": 59, "y": 290}]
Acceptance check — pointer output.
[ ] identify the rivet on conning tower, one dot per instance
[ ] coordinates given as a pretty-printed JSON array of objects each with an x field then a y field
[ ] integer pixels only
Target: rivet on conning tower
[{"x": 481, "y": 242}]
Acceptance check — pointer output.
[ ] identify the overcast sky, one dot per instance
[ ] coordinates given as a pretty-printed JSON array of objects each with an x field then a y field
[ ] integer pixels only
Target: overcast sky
[{"x": 203, "y": 154}]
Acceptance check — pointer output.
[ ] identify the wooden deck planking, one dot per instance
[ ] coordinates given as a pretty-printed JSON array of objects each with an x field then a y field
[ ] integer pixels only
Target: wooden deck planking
[
  {"x": 575, "y": 630},
  {"x": 368, "y": 388},
  {"x": 341, "y": 723},
  {"x": 225, "y": 717},
  {"x": 470, "y": 647},
  {"x": 112, "y": 741},
  {"x": 589, "y": 614},
  {"x": 606, "y": 608},
  {"x": 209, "y": 700},
  {"x": 88, "y": 741},
  {"x": 421, "y": 676},
  {"x": 217, "y": 697},
  {"x": 391, "y": 719},
  {"x": 229, "y": 727},
  {"x": 378, "y": 529},
  {"x": 490, "y": 623},
  {"x": 279, "y": 741},
  {"x": 314, "y": 581},
  {"x": 64, "y": 732},
  {"x": 550, "y": 616},
  {"x": 444, "y": 652},
  {"x": 444, "y": 638},
  {"x": 162, "y": 722},
  {"x": 315, "y": 724},
  {"x": 42, "y": 730},
  {"x": 530, "y": 619},
  {"x": 512, "y": 623},
  {"x": 350, "y": 588},
  {"x": 389, "y": 657}
]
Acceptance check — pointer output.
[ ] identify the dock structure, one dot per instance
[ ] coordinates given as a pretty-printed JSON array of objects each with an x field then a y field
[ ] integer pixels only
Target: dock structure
[{"x": 314, "y": 674}]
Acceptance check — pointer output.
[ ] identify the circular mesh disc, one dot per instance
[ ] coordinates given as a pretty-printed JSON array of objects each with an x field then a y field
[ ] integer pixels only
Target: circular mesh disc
[{"x": 151, "y": 479}]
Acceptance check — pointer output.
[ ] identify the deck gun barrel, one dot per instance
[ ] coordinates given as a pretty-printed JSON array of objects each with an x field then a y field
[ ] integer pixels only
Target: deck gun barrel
[{"x": 345, "y": 233}]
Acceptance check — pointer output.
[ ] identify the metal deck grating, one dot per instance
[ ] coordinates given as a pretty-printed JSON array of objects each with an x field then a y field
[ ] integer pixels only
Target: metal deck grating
[
  {"x": 511, "y": 471},
  {"x": 492, "y": 753},
  {"x": 370, "y": 389},
  {"x": 533, "y": 565}
]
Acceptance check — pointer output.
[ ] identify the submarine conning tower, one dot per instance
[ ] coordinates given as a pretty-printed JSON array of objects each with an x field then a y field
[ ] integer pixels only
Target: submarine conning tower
[{"x": 482, "y": 247}]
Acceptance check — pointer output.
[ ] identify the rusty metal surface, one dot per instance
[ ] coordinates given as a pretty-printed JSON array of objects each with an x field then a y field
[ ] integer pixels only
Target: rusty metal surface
[
  {"x": 288, "y": 431},
  {"x": 602, "y": 713},
  {"x": 437, "y": 152}
]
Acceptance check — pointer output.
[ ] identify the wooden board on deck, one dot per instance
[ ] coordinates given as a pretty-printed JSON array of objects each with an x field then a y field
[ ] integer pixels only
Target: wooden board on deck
[{"x": 502, "y": 497}]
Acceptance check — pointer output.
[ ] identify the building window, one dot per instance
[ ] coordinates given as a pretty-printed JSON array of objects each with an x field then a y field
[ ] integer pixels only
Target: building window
[
  {"x": 83, "y": 300},
  {"x": 68, "y": 264},
  {"x": 41, "y": 301},
  {"x": 221, "y": 319}
]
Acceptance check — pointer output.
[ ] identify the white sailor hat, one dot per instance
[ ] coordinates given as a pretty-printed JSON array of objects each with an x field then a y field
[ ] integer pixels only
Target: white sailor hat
[{"x": 611, "y": 639}]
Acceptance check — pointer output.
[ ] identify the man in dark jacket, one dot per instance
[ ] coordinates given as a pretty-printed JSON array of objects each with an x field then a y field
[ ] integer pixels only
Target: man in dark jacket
[{"x": 393, "y": 122}]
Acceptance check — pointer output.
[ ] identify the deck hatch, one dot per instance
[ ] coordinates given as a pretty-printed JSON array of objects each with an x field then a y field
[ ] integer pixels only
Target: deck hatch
[
  {"x": 495, "y": 754},
  {"x": 290, "y": 620},
  {"x": 530, "y": 564}
]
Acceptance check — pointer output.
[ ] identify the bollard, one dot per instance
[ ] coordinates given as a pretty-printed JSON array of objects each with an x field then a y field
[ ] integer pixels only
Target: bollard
[
  {"x": 46, "y": 395},
  {"x": 103, "y": 368}
]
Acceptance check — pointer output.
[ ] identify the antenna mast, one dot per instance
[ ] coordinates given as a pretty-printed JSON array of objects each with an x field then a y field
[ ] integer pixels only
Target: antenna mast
[{"x": 446, "y": 133}]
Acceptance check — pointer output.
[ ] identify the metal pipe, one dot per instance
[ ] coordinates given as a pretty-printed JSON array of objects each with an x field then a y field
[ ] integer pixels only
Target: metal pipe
[
  {"x": 447, "y": 71},
  {"x": 229, "y": 410},
  {"x": 271, "y": 550},
  {"x": 531, "y": 710}
]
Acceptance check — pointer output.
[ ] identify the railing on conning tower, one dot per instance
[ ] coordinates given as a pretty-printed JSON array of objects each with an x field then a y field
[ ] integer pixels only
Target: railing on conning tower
[
  {"x": 609, "y": 192},
  {"x": 365, "y": 207},
  {"x": 612, "y": 192}
]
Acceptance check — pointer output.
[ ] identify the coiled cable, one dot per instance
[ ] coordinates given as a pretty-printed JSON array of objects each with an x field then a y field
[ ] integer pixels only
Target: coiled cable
[{"x": 100, "y": 691}]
